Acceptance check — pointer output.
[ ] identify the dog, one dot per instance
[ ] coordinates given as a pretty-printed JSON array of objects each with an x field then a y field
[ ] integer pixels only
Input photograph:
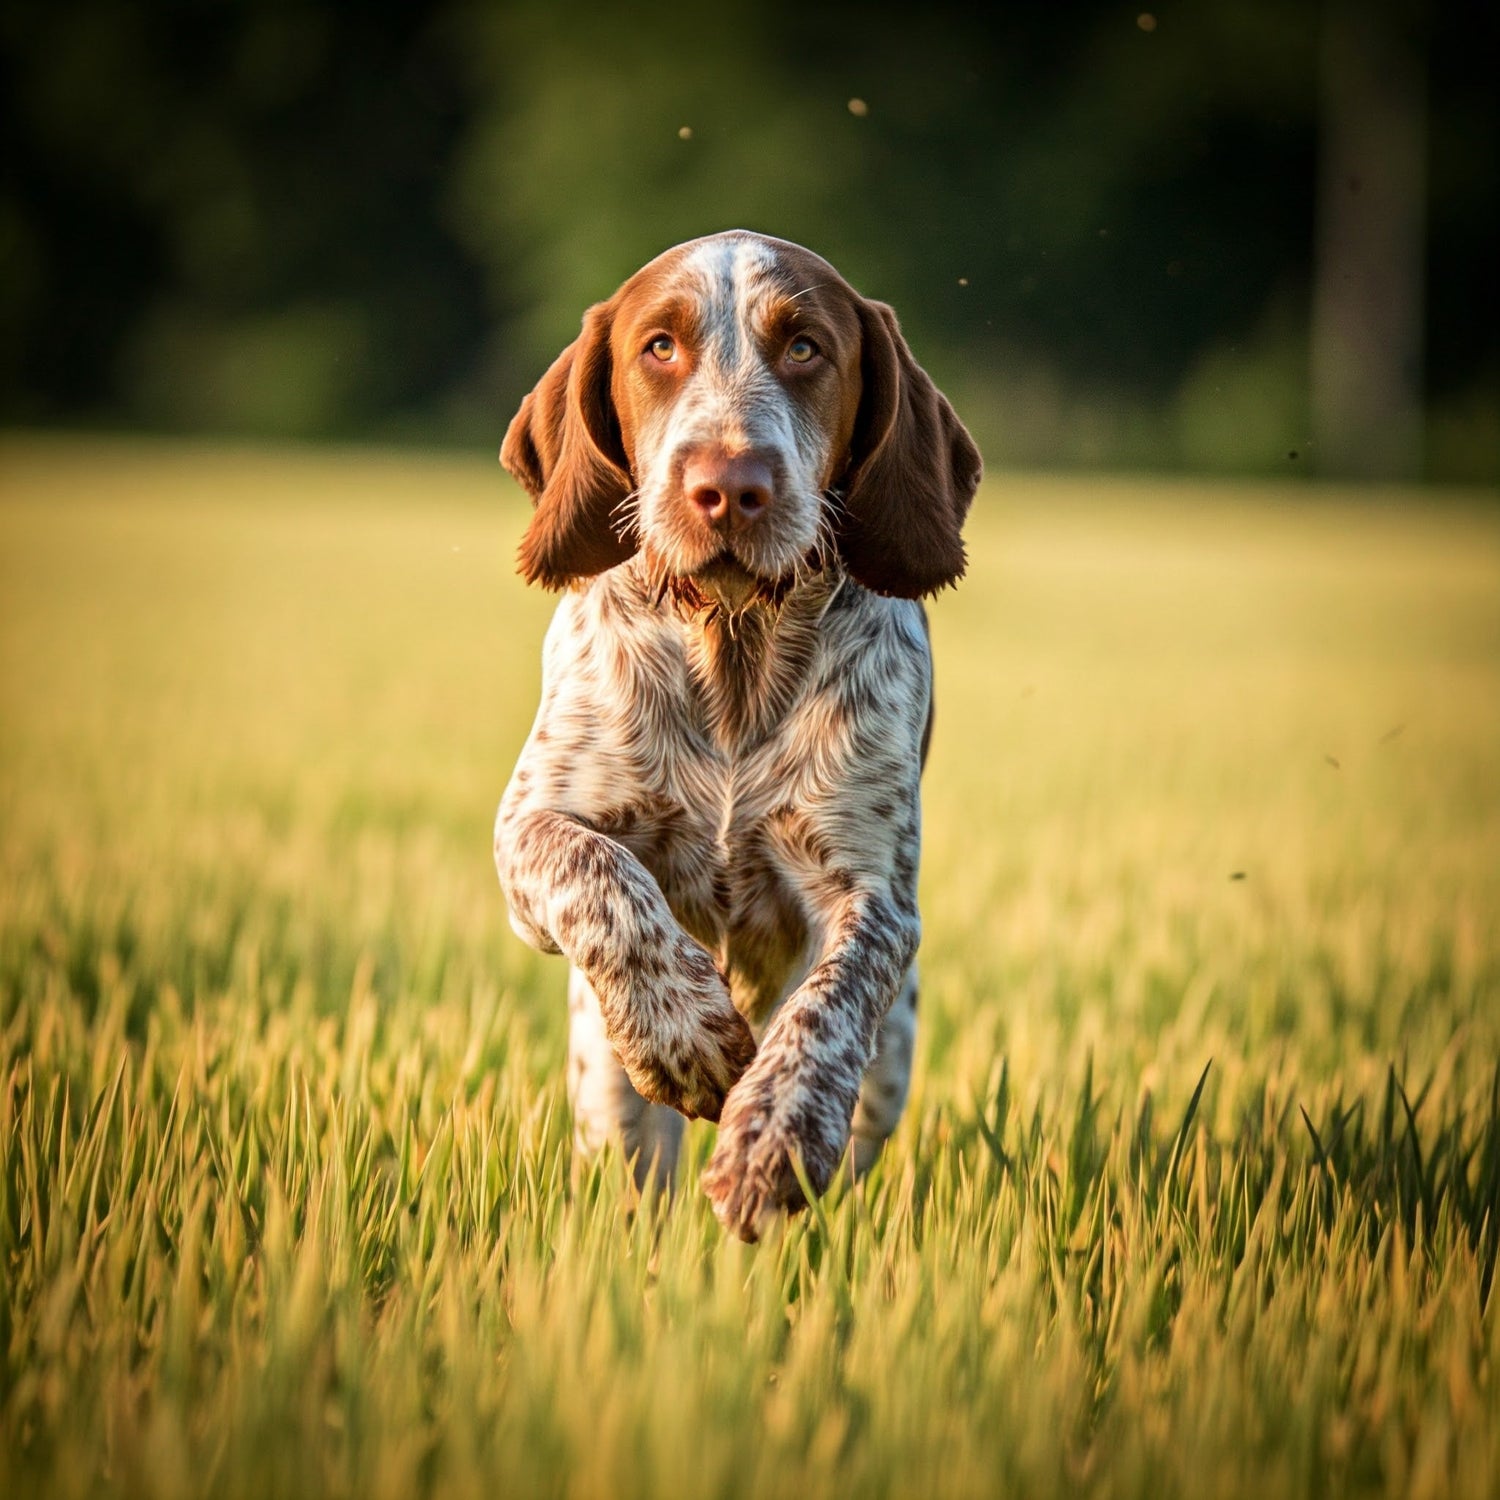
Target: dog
[{"x": 743, "y": 485}]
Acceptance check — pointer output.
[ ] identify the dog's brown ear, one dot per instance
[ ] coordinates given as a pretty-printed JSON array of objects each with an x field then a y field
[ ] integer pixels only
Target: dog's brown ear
[
  {"x": 913, "y": 471},
  {"x": 564, "y": 447}
]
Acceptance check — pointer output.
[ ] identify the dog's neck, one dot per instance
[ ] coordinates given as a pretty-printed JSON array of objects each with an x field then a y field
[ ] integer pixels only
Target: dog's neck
[{"x": 748, "y": 663}]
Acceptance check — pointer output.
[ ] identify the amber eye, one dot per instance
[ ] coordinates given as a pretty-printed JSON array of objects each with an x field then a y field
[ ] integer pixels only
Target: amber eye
[
  {"x": 801, "y": 350},
  {"x": 662, "y": 348}
]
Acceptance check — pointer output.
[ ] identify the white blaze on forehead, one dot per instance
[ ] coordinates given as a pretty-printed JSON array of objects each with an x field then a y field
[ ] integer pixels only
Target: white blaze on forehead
[
  {"x": 734, "y": 275},
  {"x": 753, "y": 263}
]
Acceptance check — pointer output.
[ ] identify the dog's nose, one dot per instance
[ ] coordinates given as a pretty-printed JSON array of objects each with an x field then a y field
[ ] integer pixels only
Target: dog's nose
[{"x": 730, "y": 491}]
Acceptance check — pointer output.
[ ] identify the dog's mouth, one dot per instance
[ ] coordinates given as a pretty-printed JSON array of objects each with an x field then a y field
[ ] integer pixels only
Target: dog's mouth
[
  {"x": 725, "y": 585},
  {"x": 724, "y": 580}
]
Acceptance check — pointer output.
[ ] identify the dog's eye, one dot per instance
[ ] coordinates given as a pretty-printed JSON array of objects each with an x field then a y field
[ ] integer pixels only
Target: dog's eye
[
  {"x": 801, "y": 350},
  {"x": 662, "y": 348}
]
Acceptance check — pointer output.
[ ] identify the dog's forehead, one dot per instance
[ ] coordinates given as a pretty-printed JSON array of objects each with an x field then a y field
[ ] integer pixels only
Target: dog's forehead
[{"x": 736, "y": 273}]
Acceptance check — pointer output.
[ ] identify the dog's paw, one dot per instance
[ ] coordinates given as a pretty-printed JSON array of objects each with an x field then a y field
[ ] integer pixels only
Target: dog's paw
[
  {"x": 683, "y": 1044},
  {"x": 751, "y": 1178}
]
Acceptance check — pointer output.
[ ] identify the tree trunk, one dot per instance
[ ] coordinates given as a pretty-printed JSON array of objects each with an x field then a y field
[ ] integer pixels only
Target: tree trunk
[{"x": 1367, "y": 310}]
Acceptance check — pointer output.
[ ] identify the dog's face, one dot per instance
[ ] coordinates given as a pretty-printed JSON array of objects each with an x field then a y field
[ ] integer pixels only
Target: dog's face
[
  {"x": 736, "y": 382},
  {"x": 737, "y": 411}
]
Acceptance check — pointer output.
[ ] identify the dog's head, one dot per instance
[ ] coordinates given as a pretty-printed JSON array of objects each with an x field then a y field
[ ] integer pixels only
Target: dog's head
[{"x": 735, "y": 410}]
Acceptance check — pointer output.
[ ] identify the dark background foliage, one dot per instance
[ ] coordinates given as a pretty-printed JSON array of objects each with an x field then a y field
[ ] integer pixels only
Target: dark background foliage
[{"x": 1101, "y": 226}]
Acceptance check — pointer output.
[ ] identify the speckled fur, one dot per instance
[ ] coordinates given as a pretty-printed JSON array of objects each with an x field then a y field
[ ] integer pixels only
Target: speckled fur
[{"x": 716, "y": 816}]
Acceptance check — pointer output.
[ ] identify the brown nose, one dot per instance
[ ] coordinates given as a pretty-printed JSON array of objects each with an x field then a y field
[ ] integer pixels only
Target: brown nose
[{"x": 730, "y": 491}]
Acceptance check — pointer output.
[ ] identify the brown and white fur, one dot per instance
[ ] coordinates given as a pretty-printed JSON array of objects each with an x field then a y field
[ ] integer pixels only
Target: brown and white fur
[{"x": 744, "y": 482}]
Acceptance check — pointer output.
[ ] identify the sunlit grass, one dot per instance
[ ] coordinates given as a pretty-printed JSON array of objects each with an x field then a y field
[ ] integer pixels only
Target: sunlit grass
[{"x": 287, "y": 1203}]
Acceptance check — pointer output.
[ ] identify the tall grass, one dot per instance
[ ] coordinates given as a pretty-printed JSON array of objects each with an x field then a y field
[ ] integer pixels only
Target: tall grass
[{"x": 1199, "y": 1189}]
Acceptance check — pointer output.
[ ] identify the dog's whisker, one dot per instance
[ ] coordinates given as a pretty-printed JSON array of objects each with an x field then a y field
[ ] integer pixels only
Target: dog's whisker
[{"x": 625, "y": 515}]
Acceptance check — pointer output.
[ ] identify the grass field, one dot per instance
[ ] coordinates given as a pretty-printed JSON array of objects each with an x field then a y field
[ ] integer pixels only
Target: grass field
[{"x": 286, "y": 1201}]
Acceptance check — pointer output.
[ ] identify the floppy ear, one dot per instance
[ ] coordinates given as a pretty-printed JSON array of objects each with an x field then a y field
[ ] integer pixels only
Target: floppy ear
[
  {"x": 564, "y": 447},
  {"x": 913, "y": 471}
]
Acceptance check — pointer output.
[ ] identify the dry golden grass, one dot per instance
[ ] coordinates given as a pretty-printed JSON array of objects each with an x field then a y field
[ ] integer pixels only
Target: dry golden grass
[{"x": 285, "y": 1200}]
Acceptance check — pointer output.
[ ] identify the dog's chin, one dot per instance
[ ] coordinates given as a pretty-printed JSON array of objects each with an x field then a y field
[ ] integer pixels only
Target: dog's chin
[{"x": 727, "y": 582}]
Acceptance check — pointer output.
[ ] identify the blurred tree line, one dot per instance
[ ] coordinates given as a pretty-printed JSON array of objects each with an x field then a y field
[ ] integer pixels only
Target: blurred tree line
[{"x": 1107, "y": 230}]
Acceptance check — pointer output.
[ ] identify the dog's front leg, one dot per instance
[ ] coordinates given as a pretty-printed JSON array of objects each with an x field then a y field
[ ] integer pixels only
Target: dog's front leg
[
  {"x": 666, "y": 1007},
  {"x": 796, "y": 1101}
]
